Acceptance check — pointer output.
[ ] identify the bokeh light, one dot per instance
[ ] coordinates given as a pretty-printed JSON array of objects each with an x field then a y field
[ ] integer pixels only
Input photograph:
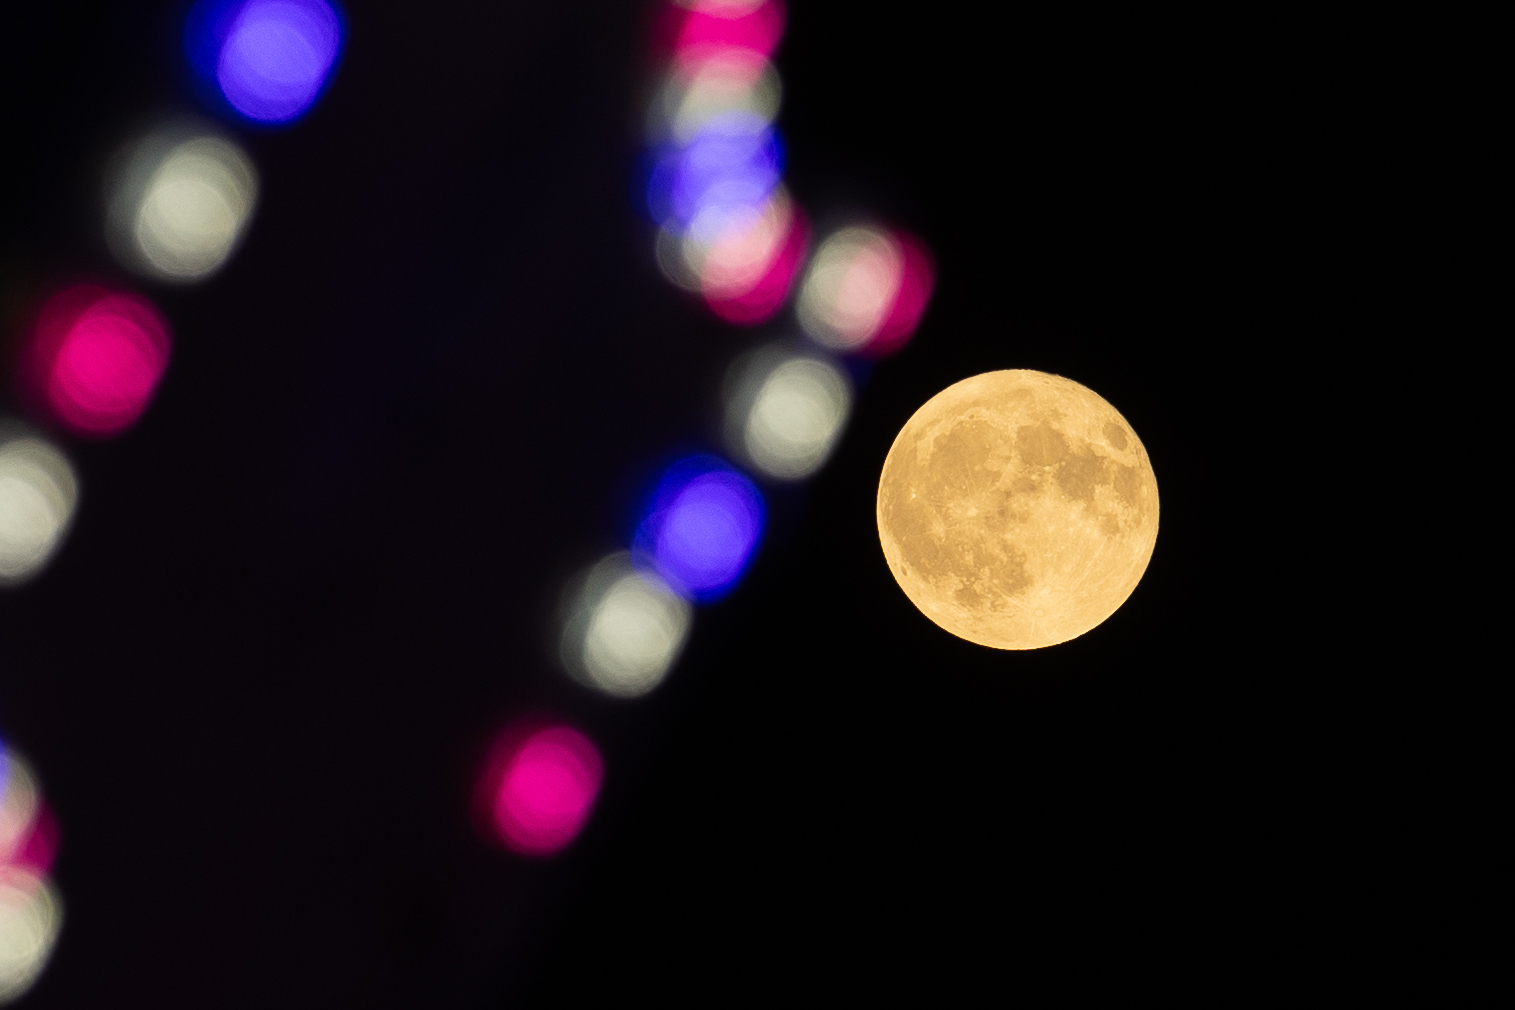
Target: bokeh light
[
  {"x": 624, "y": 628},
  {"x": 701, "y": 527},
  {"x": 269, "y": 59},
  {"x": 181, "y": 204},
  {"x": 727, "y": 82},
  {"x": 95, "y": 359},
  {"x": 540, "y": 786},
  {"x": 38, "y": 493},
  {"x": 30, "y": 912},
  {"x": 864, "y": 290},
  {"x": 743, "y": 262},
  {"x": 729, "y": 24},
  {"x": 785, "y": 411},
  {"x": 30, "y": 917}
]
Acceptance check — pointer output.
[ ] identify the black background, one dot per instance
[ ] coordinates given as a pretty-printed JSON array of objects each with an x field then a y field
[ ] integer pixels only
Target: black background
[{"x": 305, "y": 591}]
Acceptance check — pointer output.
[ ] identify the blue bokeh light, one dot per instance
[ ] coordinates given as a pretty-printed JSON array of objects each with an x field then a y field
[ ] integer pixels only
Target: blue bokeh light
[
  {"x": 268, "y": 60},
  {"x": 732, "y": 165},
  {"x": 702, "y": 526}
]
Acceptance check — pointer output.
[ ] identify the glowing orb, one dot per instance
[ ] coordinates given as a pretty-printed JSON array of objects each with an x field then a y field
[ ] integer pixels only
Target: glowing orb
[
  {"x": 702, "y": 527},
  {"x": 95, "y": 359},
  {"x": 270, "y": 59},
  {"x": 624, "y": 628},
  {"x": 1017, "y": 509},
  {"x": 30, "y": 918},
  {"x": 38, "y": 493},
  {"x": 729, "y": 24},
  {"x": 785, "y": 411},
  {"x": 865, "y": 289},
  {"x": 181, "y": 205},
  {"x": 544, "y": 789}
]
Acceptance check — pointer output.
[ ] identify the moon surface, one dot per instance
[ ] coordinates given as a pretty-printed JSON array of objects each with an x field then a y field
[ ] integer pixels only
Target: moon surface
[{"x": 1017, "y": 509}]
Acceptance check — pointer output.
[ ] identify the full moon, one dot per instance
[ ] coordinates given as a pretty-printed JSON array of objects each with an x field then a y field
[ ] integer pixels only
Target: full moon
[{"x": 1017, "y": 509}]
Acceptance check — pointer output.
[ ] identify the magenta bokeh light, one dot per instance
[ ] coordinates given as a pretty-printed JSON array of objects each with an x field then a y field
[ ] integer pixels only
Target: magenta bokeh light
[
  {"x": 916, "y": 282},
  {"x": 542, "y": 786},
  {"x": 764, "y": 299},
  {"x": 95, "y": 359},
  {"x": 704, "y": 31}
]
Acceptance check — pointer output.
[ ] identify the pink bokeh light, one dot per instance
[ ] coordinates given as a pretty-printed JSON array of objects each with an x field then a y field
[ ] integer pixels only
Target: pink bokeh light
[
  {"x": 917, "y": 279},
  {"x": 95, "y": 359},
  {"x": 703, "y": 32},
  {"x": 36, "y": 849},
  {"x": 763, "y": 299},
  {"x": 541, "y": 786}
]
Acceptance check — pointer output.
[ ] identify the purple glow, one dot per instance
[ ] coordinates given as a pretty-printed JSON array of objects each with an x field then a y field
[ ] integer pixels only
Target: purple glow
[
  {"x": 702, "y": 528},
  {"x": 731, "y": 165},
  {"x": 547, "y": 784},
  {"x": 271, "y": 58}
]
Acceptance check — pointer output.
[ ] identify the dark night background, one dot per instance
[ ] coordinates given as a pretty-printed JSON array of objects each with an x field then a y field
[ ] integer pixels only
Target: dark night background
[{"x": 304, "y": 592}]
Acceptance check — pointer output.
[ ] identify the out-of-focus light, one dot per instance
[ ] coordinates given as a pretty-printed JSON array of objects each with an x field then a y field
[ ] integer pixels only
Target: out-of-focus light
[
  {"x": 540, "y": 786},
  {"x": 865, "y": 290},
  {"x": 270, "y": 59},
  {"x": 624, "y": 629},
  {"x": 30, "y": 918},
  {"x": 743, "y": 262},
  {"x": 730, "y": 166},
  {"x": 95, "y": 359},
  {"x": 729, "y": 24},
  {"x": 38, "y": 492},
  {"x": 701, "y": 527},
  {"x": 19, "y": 807},
  {"x": 181, "y": 204},
  {"x": 785, "y": 411},
  {"x": 729, "y": 81}
]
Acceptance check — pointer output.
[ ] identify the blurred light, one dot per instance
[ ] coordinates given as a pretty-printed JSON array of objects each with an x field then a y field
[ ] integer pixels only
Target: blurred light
[
  {"x": 541, "y": 784},
  {"x": 624, "y": 629},
  {"x": 181, "y": 205},
  {"x": 95, "y": 359},
  {"x": 30, "y": 913},
  {"x": 729, "y": 81},
  {"x": 722, "y": 8},
  {"x": 702, "y": 526},
  {"x": 270, "y": 59},
  {"x": 726, "y": 24},
  {"x": 865, "y": 289},
  {"x": 38, "y": 492},
  {"x": 785, "y": 411},
  {"x": 19, "y": 807},
  {"x": 30, "y": 917},
  {"x": 731, "y": 165}
]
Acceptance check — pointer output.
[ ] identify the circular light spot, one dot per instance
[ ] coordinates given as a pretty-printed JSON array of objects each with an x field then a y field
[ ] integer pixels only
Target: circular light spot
[
  {"x": 38, "y": 492},
  {"x": 96, "y": 358},
  {"x": 702, "y": 527},
  {"x": 728, "y": 82},
  {"x": 182, "y": 205},
  {"x": 624, "y": 629},
  {"x": 865, "y": 288},
  {"x": 545, "y": 786},
  {"x": 784, "y": 412},
  {"x": 30, "y": 918},
  {"x": 270, "y": 59},
  {"x": 717, "y": 25}
]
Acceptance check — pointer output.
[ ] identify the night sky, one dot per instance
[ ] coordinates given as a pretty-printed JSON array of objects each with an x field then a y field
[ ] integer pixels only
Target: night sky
[{"x": 303, "y": 594}]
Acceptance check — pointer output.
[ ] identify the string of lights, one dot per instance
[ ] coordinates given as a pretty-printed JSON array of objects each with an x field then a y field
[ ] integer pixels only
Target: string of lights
[
  {"x": 729, "y": 232},
  {"x": 94, "y": 354}
]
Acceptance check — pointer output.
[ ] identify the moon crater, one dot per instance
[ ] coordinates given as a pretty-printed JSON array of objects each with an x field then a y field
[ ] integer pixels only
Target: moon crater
[{"x": 1017, "y": 509}]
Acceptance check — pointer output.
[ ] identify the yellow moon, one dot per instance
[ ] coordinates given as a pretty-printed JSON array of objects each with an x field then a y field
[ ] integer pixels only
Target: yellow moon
[{"x": 1017, "y": 509}]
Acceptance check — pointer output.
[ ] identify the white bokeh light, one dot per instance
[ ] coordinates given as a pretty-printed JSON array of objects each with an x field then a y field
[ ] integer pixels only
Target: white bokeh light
[
  {"x": 30, "y": 917},
  {"x": 38, "y": 492},
  {"x": 181, "y": 205},
  {"x": 624, "y": 629},
  {"x": 785, "y": 411},
  {"x": 850, "y": 287},
  {"x": 727, "y": 82}
]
